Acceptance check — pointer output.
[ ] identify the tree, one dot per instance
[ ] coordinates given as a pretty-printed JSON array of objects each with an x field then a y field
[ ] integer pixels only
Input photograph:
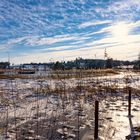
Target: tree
[
  {"x": 58, "y": 65},
  {"x": 139, "y": 60},
  {"x": 4, "y": 65},
  {"x": 109, "y": 63}
]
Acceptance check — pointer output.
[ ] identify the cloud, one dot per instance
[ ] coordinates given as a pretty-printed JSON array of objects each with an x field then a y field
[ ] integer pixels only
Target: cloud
[
  {"x": 93, "y": 23},
  {"x": 11, "y": 42},
  {"x": 69, "y": 28},
  {"x": 118, "y": 33},
  {"x": 38, "y": 41},
  {"x": 117, "y": 46},
  {"x": 126, "y": 10}
]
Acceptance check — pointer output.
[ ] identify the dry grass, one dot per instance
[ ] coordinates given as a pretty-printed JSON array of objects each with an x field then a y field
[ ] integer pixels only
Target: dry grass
[
  {"x": 84, "y": 73},
  {"x": 8, "y": 76},
  {"x": 62, "y": 74}
]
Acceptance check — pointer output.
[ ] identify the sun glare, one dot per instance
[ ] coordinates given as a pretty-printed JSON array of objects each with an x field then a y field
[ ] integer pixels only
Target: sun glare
[{"x": 120, "y": 30}]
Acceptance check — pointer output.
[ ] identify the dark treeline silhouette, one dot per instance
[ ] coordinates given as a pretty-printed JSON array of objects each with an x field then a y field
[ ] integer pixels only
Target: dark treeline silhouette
[
  {"x": 4, "y": 65},
  {"x": 80, "y": 63}
]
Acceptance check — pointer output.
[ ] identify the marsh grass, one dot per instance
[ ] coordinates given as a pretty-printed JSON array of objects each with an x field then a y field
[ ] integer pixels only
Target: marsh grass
[{"x": 55, "y": 110}]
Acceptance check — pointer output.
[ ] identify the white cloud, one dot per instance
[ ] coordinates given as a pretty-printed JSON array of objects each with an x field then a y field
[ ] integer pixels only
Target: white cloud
[
  {"x": 36, "y": 41},
  {"x": 58, "y": 48},
  {"x": 119, "y": 42},
  {"x": 93, "y": 23},
  {"x": 48, "y": 40}
]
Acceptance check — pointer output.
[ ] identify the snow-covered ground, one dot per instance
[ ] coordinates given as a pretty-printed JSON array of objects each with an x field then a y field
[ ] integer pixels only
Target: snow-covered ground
[{"x": 22, "y": 99}]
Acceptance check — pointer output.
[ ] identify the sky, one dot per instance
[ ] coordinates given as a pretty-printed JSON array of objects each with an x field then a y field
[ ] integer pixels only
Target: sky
[{"x": 51, "y": 30}]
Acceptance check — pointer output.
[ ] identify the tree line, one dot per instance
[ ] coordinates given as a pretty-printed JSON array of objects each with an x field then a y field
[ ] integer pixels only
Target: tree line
[{"x": 80, "y": 63}]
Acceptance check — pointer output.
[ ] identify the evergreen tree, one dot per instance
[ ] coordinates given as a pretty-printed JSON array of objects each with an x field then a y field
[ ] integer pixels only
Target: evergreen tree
[
  {"x": 109, "y": 63},
  {"x": 139, "y": 60}
]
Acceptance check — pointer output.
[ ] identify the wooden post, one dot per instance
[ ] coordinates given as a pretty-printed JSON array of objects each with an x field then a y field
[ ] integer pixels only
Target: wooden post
[
  {"x": 129, "y": 103},
  {"x": 96, "y": 120}
]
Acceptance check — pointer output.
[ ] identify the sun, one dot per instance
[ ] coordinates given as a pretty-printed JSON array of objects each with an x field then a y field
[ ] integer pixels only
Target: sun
[{"x": 120, "y": 30}]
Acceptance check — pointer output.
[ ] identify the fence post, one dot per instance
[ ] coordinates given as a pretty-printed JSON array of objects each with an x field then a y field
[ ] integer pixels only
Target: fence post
[
  {"x": 96, "y": 120},
  {"x": 129, "y": 103}
]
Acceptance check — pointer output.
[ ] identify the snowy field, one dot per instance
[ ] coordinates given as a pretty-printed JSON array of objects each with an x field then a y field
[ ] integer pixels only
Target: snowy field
[{"x": 55, "y": 109}]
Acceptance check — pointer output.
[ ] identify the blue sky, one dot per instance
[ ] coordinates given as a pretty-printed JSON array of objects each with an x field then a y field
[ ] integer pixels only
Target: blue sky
[{"x": 51, "y": 30}]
